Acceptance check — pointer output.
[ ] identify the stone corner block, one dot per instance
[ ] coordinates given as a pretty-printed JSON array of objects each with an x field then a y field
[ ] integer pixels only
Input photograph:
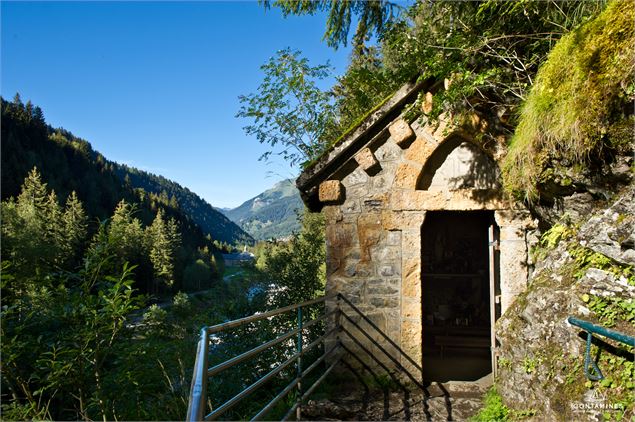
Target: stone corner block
[
  {"x": 366, "y": 160},
  {"x": 331, "y": 191},
  {"x": 401, "y": 132},
  {"x": 426, "y": 106}
]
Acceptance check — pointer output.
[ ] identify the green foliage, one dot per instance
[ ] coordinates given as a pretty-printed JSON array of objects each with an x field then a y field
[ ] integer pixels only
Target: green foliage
[
  {"x": 61, "y": 333},
  {"x": 489, "y": 50},
  {"x": 554, "y": 235},
  {"x": 172, "y": 196},
  {"x": 493, "y": 408},
  {"x": 197, "y": 275},
  {"x": 551, "y": 238},
  {"x": 586, "y": 258},
  {"x": 77, "y": 173},
  {"x": 609, "y": 310},
  {"x": 297, "y": 268},
  {"x": 73, "y": 341},
  {"x": 289, "y": 112},
  {"x": 581, "y": 95},
  {"x": 372, "y": 17},
  {"x": 529, "y": 364},
  {"x": 163, "y": 239}
]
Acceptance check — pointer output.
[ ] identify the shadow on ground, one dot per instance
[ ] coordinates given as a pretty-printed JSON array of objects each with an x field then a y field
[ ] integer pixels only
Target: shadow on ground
[{"x": 377, "y": 398}]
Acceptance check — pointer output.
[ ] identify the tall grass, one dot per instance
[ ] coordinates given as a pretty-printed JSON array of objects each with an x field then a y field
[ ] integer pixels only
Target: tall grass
[{"x": 579, "y": 105}]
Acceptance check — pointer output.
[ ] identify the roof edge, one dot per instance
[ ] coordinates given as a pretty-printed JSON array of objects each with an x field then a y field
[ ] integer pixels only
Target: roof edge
[{"x": 339, "y": 153}]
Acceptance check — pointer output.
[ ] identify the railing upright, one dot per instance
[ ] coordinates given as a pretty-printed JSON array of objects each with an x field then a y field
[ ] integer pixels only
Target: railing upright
[
  {"x": 591, "y": 369},
  {"x": 299, "y": 365}
]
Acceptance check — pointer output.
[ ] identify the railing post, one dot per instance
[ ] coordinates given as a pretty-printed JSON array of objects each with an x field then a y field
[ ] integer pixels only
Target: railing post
[
  {"x": 198, "y": 389},
  {"x": 338, "y": 316},
  {"x": 298, "y": 414}
]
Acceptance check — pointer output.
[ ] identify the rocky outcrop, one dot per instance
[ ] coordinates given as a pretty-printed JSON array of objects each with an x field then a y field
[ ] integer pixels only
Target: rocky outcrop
[{"x": 587, "y": 275}]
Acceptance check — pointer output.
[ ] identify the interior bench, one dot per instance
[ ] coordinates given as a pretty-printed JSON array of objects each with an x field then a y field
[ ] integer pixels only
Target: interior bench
[{"x": 462, "y": 341}]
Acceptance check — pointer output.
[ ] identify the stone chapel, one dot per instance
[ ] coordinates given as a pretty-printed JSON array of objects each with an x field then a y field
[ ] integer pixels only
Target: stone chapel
[{"x": 419, "y": 234}]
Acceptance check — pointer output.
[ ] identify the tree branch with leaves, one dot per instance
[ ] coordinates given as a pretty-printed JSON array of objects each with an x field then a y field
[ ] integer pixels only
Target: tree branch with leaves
[{"x": 289, "y": 111}]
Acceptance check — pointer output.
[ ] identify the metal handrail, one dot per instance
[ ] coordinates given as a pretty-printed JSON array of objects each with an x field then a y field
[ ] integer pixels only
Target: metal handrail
[
  {"x": 198, "y": 389},
  {"x": 256, "y": 317},
  {"x": 198, "y": 393},
  {"x": 591, "y": 369}
]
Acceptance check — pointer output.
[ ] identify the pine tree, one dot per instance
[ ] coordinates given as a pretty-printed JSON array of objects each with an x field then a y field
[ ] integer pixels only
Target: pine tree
[
  {"x": 35, "y": 232},
  {"x": 163, "y": 239},
  {"x": 74, "y": 224},
  {"x": 33, "y": 196},
  {"x": 126, "y": 236}
]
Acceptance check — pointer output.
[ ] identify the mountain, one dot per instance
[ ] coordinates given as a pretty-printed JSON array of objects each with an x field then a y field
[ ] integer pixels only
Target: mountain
[
  {"x": 272, "y": 214},
  {"x": 68, "y": 163},
  {"x": 208, "y": 218}
]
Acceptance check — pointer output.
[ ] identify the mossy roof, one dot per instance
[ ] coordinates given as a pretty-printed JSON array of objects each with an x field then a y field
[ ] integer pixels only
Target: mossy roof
[{"x": 354, "y": 139}]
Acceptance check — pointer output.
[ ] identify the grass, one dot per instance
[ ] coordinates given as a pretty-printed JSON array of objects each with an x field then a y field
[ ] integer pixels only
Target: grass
[{"x": 575, "y": 111}]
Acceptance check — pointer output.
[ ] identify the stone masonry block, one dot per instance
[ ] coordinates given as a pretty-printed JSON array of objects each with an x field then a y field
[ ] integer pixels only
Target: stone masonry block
[
  {"x": 401, "y": 132},
  {"x": 411, "y": 243},
  {"x": 331, "y": 191},
  {"x": 420, "y": 150},
  {"x": 406, "y": 176},
  {"x": 411, "y": 286},
  {"x": 426, "y": 107},
  {"x": 411, "y": 308},
  {"x": 366, "y": 160},
  {"x": 411, "y": 338},
  {"x": 402, "y": 220}
]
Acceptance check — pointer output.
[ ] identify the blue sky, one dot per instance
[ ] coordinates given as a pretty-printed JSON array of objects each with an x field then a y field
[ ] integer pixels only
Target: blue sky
[{"x": 155, "y": 84}]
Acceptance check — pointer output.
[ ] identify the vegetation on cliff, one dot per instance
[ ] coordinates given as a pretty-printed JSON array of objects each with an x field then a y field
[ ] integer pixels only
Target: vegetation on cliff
[
  {"x": 579, "y": 113},
  {"x": 491, "y": 50}
]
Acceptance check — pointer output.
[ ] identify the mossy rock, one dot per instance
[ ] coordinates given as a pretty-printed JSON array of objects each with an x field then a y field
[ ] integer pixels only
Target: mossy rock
[{"x": 578, "y": 110}]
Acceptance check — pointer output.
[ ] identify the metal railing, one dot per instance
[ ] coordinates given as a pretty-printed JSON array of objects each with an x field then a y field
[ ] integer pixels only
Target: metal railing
[
  {"x": 591, "y": 370},
  {"x": 198, "y": 393}
]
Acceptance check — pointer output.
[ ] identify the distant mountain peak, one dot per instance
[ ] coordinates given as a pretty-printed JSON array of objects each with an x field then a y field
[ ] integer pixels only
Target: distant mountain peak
[{"x": 271, "y": 214}]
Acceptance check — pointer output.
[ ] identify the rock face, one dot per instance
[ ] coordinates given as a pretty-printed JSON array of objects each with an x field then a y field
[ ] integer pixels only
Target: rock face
[{"x": 540, "y": 364}]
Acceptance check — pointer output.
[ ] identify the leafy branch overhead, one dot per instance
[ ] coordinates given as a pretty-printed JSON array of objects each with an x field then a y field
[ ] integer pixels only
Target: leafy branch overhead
[
  {"x": 289, "y": 111},
  {"x": 372, "y": 16}
]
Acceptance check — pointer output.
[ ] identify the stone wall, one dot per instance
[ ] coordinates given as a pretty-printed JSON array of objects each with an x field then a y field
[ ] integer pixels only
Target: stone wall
[{"x": 375, "y": 206}]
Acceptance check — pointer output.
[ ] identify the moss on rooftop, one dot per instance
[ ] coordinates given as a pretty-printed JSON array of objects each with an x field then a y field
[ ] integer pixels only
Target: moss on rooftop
[{"x": 356, "y": 124}]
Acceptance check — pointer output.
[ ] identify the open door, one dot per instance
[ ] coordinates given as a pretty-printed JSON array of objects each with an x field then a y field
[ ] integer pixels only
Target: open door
[
  {"x": 494, "y": 288},
  {"x": 456, "y": 287}
]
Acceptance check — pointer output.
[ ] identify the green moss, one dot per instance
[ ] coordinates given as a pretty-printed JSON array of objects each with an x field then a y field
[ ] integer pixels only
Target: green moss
[
  {"x": 347, "y": 132},
  {"x": 575, "y": 109},
  {"x": 493, "y": 408}
]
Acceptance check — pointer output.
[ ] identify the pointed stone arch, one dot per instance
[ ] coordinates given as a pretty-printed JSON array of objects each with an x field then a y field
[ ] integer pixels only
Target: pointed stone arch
[{"x": 458, "y": 163}]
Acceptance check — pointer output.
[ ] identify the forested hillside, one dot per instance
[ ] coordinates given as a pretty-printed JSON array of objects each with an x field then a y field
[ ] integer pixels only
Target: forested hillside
[
  {"x": 197, "y": 209},
  {"x": 68, "y": 163},
  {"x": 56, "y": 189},
  {"x": 272, "y": 214}
]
